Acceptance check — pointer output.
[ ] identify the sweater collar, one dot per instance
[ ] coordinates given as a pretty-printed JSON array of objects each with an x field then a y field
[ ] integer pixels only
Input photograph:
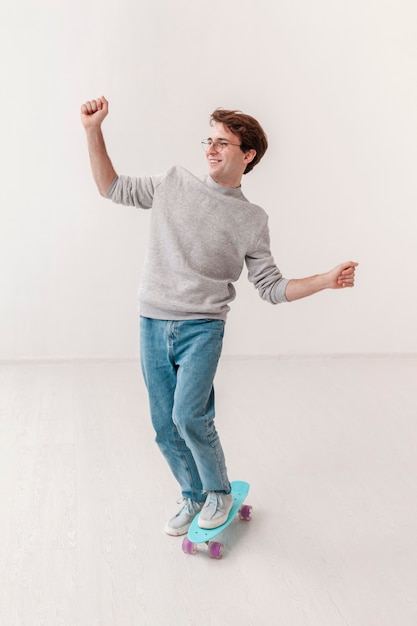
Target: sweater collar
[{"x": 235, "y": 192}]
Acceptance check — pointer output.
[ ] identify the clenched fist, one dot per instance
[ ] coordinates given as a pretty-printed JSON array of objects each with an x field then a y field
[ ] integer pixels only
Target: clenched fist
[
  {"x": 93, "y": 112},
  {"x": 343, "y": 275}
]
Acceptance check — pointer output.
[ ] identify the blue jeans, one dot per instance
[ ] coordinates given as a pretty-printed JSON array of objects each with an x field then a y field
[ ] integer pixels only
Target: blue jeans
[{"x": 179, "y": 361}]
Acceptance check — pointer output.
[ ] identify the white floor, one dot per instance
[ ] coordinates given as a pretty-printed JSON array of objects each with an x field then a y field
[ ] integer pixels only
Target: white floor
[{"x": 329, "y": 446}]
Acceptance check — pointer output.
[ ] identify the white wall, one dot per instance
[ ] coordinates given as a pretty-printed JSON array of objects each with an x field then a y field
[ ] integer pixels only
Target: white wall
[{"x": 332, "y": 82}]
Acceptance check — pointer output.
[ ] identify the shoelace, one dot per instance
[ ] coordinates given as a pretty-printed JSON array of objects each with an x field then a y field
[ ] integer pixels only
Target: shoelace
[
  {"x": 212, "y": 500},
  {"x": 188, "y": 504}
]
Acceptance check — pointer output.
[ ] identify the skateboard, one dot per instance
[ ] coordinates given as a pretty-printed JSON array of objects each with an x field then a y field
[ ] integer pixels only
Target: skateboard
[{"x": 197, "y": 535}]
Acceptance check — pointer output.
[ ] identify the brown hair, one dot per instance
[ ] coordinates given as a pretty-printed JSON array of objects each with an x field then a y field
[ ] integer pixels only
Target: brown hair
[{"x": 252, "y": 136}]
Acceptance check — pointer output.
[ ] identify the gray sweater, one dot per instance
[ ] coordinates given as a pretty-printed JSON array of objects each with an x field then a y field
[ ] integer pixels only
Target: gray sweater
[{"x": 201, "y": 235}]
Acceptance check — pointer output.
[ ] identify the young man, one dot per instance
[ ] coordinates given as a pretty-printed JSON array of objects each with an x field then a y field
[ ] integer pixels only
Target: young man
[{"x": 203, "y": 231}]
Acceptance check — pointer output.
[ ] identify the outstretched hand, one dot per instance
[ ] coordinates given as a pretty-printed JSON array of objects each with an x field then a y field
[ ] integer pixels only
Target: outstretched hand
[
  {"x": 93, "y": 112},
  {"x": 342, "y": 275}
]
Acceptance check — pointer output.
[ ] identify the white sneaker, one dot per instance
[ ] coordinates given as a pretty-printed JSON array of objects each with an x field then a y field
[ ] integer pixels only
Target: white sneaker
[
  {"x": 180, "y": 523},
  {"x": 215, "y": 510}
]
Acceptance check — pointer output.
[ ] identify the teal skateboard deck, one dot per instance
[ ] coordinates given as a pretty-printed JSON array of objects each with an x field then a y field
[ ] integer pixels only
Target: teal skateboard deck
[{"x": 197, "y": 535}]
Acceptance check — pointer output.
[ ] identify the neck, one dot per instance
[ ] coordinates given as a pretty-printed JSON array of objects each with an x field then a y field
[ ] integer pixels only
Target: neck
[{"x": 232, "y": 184}]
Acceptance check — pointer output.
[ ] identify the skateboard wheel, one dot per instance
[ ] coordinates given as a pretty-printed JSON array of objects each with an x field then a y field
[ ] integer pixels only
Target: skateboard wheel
[
  {"x": 188, "y": 546},
  {"x": 215, "y": 549},
  {"x": 245, "y": 512}
]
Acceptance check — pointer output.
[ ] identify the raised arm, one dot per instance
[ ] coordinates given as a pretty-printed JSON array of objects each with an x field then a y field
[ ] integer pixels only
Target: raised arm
[
  {"x": 93, "y": 112},
  {"x": 339, "y": 277}
]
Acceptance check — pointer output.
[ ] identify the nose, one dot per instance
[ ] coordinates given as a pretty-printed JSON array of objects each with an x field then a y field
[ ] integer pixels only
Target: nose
[{"x": 213, "y": 147}]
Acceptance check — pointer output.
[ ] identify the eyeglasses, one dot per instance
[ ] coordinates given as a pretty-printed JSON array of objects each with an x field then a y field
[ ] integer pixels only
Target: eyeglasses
[{"x": 219, "y": 145}]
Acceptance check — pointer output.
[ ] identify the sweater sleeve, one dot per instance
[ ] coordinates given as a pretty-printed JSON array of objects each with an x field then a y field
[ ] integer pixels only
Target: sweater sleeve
[
  {"x": 264, "y": 273},
  {"x": 138, "y": 192}
]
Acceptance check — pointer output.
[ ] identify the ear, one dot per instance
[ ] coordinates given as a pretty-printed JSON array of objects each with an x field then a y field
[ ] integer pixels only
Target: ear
[{"x": 249, "y": 156}]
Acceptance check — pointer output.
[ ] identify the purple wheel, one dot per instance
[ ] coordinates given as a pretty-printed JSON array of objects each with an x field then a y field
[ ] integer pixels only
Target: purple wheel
[
  {"x": 245, "y": 512},
  {"x": 215, "y": 549},
  {"x": 188, "y": 546}
]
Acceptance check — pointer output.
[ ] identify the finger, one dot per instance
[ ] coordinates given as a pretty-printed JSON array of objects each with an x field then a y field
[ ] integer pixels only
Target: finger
[
  {"x": 346, "y": 282},
  {"x": 349, "y": 265},
  {"x": 346, "y": 277},
  {"x": 343, "y": 276},
  {"x": 87, "y": 108},
  {"x": 105, "y": 104}
]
